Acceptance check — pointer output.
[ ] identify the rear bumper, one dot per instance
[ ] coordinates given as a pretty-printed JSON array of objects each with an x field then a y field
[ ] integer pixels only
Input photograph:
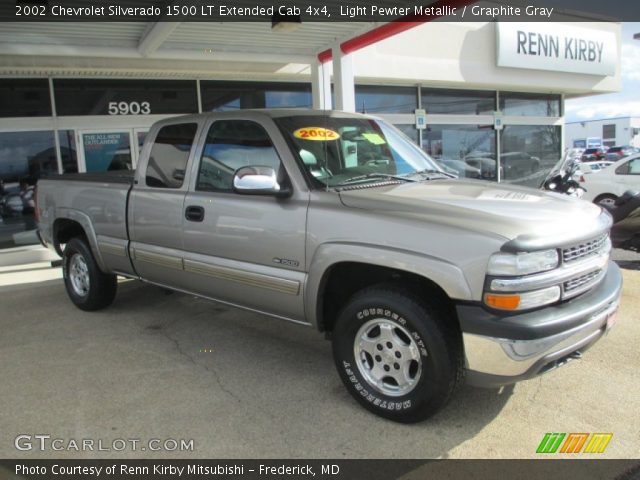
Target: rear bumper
[{"x": 501, "y": 350}]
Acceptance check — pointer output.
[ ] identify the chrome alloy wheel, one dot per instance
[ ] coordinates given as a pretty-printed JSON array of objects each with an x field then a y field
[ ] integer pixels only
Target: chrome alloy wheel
[
  {"x": 607, "y": 202},
  {"x": 79, "y": 275},
  {"x": 387, "y": 357}
]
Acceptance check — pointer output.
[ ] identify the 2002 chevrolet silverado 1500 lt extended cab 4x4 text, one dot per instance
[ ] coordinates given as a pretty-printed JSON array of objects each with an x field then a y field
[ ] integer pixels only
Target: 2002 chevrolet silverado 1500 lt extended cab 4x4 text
[{"x": 339, "y": 222}]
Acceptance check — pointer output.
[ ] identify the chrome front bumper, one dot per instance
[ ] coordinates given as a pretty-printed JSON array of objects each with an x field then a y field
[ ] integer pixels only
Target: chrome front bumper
[{"x": 501, "y": 350}]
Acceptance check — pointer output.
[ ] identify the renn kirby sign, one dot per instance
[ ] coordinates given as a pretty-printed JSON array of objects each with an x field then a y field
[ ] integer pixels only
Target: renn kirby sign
[{"x": 557, "y": 47}]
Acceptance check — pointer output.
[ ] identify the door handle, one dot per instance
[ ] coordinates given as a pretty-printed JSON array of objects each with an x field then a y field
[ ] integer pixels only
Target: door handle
[{"x": 194, "y": 213}]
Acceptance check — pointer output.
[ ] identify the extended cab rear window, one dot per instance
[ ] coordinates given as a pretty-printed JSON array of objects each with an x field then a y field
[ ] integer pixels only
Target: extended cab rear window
[{"x": 169, "y": 155}]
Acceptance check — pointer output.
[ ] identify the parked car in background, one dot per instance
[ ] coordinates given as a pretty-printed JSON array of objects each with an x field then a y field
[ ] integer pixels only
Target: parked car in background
[
  {"x": 575, "y": 153},
  {"x": 591, "y": 154},
  {"x": 616, "y": 153},
  {"x": 605, "y": 186},
  {"x": 595, "y": 166}
]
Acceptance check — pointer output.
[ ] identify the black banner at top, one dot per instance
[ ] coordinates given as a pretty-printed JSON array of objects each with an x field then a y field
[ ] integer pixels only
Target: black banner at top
[{"x": 295, "y": 11}]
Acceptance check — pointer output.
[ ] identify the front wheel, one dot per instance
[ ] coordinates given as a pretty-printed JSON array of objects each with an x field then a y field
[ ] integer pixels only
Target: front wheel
[
  {"x": 87, "y": 286},
  {"x": 400, "y": 357},
  {"x": 606, "y": 200}
]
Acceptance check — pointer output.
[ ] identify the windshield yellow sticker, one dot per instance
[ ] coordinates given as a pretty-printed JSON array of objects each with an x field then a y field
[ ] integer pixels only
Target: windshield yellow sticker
[
  {"x": 316, "y": 133},
  {"x": 374, "y": 138}
]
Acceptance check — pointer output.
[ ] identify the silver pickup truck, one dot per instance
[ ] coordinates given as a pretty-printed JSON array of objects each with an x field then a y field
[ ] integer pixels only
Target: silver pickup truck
[{"x": 337, "y": 221}]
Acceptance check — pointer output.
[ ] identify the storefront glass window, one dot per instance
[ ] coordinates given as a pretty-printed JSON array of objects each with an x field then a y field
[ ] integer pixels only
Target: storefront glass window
[
  {"x": 68, "y": 151},
  {"x": 21, "y": 97},
  {"x": 125, "y": 97},
  {"x": 458, "y": 102},
  {"x": 24, "y": 157},
  {"x": 225, "y": 96},
  {"x": 530, "y": 104},
  {"x": 528, "y": 152},
  {"x": 380, "y": 99},
  {"x": 464, "y": 150},
  {"x": 107, "y": 151}
]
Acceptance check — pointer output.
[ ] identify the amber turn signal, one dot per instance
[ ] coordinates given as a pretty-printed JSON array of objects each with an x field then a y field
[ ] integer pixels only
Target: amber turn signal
[{"x": 503, "y": 302}]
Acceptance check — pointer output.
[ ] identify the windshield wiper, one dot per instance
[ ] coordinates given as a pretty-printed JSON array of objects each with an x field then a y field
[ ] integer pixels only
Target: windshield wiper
[
  {"x": 374, "y": 175},
  {"x": 431, "y": 171}
]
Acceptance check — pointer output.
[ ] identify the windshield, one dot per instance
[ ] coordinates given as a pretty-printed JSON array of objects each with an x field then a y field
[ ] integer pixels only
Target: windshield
[{"x": 337, "y": 151}]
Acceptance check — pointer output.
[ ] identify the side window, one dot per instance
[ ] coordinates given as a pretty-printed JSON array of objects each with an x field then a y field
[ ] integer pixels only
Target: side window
[
  {"x": 624, "y": 169},
  {"x": 634, "y": 167},
  {"x": 169, "y": 155},
  {"x": 232, "y": 144}
]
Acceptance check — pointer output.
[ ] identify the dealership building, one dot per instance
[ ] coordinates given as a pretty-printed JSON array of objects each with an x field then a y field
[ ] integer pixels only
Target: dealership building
[
  {"x": 82, "y": 96},
  {"x": 606, "y": 132}
]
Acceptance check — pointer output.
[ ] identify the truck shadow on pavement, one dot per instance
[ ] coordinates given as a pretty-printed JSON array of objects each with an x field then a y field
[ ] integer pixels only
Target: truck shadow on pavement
[
  {"x": 241, "y": 385},
  {"x": 629, "y": 264},
  {"x": 280, "y": 377}
]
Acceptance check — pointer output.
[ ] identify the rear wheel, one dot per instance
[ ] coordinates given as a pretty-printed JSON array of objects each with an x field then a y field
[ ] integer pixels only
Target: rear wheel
[
  {"x": 87, "y": 286},
  {"x": 606, "y": 200},
  {"x": 399, "y": 356}
]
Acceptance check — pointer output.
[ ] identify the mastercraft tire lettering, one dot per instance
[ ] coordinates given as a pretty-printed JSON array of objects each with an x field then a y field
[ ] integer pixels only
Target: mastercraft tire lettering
[{"x": 395, "y": 353}]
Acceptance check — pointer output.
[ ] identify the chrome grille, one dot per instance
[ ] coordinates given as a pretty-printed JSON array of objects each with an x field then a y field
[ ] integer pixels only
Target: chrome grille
[
  {"x": 583, "y": 250},
  {"x": 580, "y": 284}
]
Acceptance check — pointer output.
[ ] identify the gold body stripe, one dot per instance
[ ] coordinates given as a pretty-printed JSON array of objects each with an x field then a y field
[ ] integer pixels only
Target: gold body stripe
[{"x": 259, "y": 280}]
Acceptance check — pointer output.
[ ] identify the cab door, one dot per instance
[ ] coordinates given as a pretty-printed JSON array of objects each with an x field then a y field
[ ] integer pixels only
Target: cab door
[
  {"x": 244, "y": 249},
  {"x": 157, "y": 201}
]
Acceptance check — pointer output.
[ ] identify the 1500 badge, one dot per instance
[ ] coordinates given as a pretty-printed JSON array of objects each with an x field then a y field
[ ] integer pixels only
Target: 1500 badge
[{"x": 287, "y": 262}]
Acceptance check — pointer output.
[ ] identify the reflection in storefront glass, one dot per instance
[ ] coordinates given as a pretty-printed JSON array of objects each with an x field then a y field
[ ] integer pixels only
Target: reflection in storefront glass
[
  {"x": 458, "y": 102},
  {"x": 225, "y": 96},
  {"x": 530, "y": 104},
  {"x": 528, "y": 152},
  {"x": 117, "y": 97},
  {"x": 381, "y": 99},
  {"x": 464, "y": 150},
  {"x": 24, "y": 97},
  {"x": 68, "y": 151},
  {"x": 24, "y": 158}
]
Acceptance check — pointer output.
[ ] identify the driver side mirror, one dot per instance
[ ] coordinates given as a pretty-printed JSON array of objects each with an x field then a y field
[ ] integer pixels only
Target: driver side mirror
[{"x": 258, "y": 180}]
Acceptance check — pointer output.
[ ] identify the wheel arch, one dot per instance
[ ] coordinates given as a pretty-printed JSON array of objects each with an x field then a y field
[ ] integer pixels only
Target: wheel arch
[
  {"x": 339, "y": 270},
  {"x": 71, "y": 223}
]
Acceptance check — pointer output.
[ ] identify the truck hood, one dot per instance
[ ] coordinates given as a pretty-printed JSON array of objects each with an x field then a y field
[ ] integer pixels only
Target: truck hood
[{"x": 508, "y": 211}]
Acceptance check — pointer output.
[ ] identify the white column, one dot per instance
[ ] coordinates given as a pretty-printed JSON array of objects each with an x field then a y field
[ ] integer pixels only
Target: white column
[
  {"x": 343, "y": 81},
  {"x": 321, "y": 85}
]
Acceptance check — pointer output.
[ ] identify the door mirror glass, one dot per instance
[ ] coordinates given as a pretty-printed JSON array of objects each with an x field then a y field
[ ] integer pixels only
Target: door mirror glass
[{"x": 258, "y": 180}]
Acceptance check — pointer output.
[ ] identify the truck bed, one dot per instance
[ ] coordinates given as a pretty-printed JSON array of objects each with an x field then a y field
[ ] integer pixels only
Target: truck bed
[{"x": 96, "y": 201}]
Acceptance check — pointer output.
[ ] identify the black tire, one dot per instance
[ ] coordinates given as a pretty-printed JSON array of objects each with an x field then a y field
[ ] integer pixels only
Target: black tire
[
  {"x": 605, "y": 200},
  {"x": 101, "y": 287},
  {"x": 437, "y": 339}
]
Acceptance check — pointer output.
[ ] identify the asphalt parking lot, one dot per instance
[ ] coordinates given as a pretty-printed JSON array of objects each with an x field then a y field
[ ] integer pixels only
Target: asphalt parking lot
[{"x": 170, "y": 366}]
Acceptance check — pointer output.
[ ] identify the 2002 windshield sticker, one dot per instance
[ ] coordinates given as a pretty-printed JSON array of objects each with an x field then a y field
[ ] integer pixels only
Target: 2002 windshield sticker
[{"x": 316, "y": 133}]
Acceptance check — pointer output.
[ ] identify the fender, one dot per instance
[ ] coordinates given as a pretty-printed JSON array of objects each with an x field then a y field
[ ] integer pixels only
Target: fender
[
  {"x": 445, "y": 274},
  {"x": 85, "y": 222}
]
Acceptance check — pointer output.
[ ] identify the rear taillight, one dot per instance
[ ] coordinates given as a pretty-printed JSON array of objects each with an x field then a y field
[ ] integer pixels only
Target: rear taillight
[{"x": 581, "y": 179}]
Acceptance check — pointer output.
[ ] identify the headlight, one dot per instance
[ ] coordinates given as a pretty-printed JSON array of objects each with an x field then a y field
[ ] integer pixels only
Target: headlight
[{"x": 522, "y": 263}]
